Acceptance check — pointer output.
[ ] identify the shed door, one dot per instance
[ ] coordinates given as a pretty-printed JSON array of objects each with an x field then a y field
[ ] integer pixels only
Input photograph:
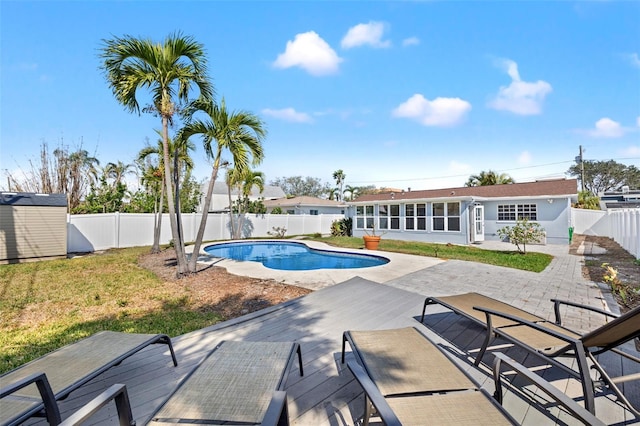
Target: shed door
[{"x": 478, "y": 223}]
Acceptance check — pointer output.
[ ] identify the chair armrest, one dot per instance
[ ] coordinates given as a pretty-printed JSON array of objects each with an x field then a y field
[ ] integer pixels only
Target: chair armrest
[
  {"x": 277, "y": 412},
  {"x": 558, "y": 302},
  {"x": 373, "y": 393},
  {"x": 578, "y": 411},
  {"x": 118, "y": 394},
  {"x": 488, "y": 312},
  {"x": 44, "y": 388}
]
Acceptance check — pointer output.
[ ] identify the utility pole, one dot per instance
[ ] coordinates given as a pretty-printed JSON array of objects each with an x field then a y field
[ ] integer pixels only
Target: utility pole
[{"x": 580, "y": 160}]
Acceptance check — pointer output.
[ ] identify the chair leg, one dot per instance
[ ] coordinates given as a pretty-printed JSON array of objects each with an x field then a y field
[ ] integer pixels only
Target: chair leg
[
  {"x": 587, "y": 383},
  {"x": 483, "y": 349},
  {"x": 427, "y": 301},
  {"x": 367, "y": 411}
]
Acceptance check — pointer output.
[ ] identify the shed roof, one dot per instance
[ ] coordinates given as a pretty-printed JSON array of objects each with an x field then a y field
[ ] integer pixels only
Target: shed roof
[
  {"x": 543, "y": 188},
  {"x": 32, "y": 199}
]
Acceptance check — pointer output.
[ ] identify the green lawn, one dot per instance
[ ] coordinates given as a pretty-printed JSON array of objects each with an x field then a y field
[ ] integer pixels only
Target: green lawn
[
  {"x": 45, "y": 305},
  {"x": 535, "y": 262}
]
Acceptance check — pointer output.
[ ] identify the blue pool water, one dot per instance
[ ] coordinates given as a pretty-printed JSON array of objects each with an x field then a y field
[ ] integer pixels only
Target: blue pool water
[{"x": 291, "y": 256}]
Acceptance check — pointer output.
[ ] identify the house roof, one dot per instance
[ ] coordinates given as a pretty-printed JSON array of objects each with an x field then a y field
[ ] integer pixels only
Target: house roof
[
  {"x": 220, "y": 187},
  {"x": 32, "y": 199},
  {"x": 543, "y": 188},
  {"x": 303, "y": 201}
]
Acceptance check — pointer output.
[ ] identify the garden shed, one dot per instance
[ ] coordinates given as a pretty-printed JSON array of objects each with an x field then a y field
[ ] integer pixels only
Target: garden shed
[{"x": 32, "y": 226}]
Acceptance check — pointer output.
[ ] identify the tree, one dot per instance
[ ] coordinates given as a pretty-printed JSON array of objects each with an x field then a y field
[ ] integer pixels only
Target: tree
[
  {"x": 522, "y": 233},
  {"x": 239, "y": 133},
  {"x": 602, "y": 176},
  {"x": 586, "y": 200},
  {"x": 489, "y": 178},
  {"x": 339, "y": 177},
  {"x": 297, "y": 186},
  {"x": 169, "y": 70},
  {"x": 353, "y": 191}
]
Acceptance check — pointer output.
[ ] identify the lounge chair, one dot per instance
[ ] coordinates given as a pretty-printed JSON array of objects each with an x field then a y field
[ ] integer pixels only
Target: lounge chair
[
  {"x": 116, "y": 393},
  {"x": 551, "y": 339},
  {"x": 410, "y": 381},
  {"x": 236, "y": 383},
  {"x": 69, "y": 368}
]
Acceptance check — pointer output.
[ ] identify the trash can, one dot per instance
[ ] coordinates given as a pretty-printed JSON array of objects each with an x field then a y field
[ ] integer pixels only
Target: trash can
[{"x": 570, "y": 234}]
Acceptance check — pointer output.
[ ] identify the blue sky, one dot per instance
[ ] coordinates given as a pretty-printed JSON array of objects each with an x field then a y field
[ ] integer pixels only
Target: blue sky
[{"x": 396, "y": 94}]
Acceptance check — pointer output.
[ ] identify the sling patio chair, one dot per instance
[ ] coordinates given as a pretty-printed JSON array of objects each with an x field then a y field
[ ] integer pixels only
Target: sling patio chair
[
  {"x": 551, "y": 340},
  {"x": 68, "y": 368},
  {"x": 411, "y": 381},
  {"x": 116, "y": 393},
  {"x": 238, "y": 382}
]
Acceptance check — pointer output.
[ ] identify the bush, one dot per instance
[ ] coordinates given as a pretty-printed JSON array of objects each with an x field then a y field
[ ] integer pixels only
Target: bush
[
  {"x": 523, "y": 233},
  {"x": 341, "y": 228}
]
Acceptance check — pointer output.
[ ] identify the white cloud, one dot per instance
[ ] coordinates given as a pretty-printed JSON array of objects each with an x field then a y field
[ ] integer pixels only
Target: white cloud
[
  {"x": 634, "y": 59},
  {"x": 366, "y": 34},
  {"x": 439, "y": 112},
  {"x": 411, "y": 41},
  {"x": 311, "y": 53},
  {"x": 632, "y": 151},
  {"x": 524, "y": 158},
  {"x": 607, "y": 128},
  {"x": 520, "y": 97},
  {"x": 288, "y": 114}
]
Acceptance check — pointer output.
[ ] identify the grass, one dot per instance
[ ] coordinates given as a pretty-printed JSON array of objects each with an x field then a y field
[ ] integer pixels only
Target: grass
[
  {"x": 45, "y": 305},
  {"x": 534, "y": 262}
]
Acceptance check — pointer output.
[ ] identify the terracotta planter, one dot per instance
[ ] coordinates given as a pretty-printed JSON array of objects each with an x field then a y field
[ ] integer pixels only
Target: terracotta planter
[{"x": 371, "y": 242}]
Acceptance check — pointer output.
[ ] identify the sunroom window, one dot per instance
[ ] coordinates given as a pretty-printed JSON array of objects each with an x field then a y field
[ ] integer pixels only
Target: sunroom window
[
  {"x": 446, "y": 216},
  {"x": 415, "y": 216}
]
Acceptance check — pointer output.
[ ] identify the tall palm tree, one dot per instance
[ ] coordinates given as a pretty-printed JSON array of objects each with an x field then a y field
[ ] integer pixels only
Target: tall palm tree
[
  {"x": 489, "y": 178},
  {"x": 169, "y": 70},
  {"x": 353, "y": 191},
  {"x": 239, "y": 133},
  {"x": 339, "y": 177}
]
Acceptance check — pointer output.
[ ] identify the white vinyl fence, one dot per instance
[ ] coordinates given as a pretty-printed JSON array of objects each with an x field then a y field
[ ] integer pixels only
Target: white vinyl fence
[
  {"x": 622, "y": 225},
  {"x": 90, "y": 232}
]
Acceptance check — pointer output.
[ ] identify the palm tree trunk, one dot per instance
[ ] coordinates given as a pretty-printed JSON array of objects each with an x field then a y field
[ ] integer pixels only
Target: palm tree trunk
[
  {"x": 173, "y": 219},
  {"x": 158, "y": 223},
  {"x": 205, "y": 214}
]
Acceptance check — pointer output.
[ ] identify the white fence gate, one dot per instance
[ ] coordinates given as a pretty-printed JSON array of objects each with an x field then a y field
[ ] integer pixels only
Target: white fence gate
[
  {"x": 622, "y": 225},
  {"x": 90, "y": 232}
]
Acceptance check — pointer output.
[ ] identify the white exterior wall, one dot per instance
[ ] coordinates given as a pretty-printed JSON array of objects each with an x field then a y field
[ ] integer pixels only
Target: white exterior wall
[{"x": 623, "y": 226}]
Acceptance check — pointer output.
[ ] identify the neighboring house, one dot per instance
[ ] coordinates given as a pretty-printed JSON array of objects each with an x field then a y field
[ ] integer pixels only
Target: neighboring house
[
  {"x": 468, "y": 214},
  {"x": 624, "y": 199},
  {"x": 306, "y": 205},
  {"x": 220, "y": 197}
]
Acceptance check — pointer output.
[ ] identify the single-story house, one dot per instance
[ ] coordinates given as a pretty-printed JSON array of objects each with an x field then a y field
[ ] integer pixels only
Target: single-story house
[
  {"x": 220, "y": 197},
  {"x": 467, "y": 215},
  {"x": 32, "y": 226},
  {"x": 307, "y": 205}
]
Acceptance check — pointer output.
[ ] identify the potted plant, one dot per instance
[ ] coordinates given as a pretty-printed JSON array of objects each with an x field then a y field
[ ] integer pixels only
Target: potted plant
[{"x": 371, "y": 239}]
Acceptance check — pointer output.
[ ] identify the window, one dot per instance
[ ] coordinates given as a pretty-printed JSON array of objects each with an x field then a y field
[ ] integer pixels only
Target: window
[
  {"x": 313, "y": 212},
  {"x": 415, "y": 216},
  {"x": 513, "y": 212},
  {"x": 364, "y": 216},
  {"x": 389, "y": 216},
  {"x": 291, "y": 212},
  {"x": 446, "y": 216}
]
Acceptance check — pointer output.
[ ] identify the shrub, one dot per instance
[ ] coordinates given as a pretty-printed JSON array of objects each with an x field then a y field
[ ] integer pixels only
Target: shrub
[
  {"x": 522, "y": 233},
  {"x": 341, "y": 228}
]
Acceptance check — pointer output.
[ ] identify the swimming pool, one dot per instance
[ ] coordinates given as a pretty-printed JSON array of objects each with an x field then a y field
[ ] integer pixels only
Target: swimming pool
[{"x": 291, "y": 256}]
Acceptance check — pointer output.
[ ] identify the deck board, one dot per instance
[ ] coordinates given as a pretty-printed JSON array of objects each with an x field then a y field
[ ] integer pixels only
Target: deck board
[{"x": 327, "y": 394}]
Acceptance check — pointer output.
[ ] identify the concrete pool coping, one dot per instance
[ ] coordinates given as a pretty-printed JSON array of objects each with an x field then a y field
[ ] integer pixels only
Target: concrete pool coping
[{"x": 399, "y": 265}]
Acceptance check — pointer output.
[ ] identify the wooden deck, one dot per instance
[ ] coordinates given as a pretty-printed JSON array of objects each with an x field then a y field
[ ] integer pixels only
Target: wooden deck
[{"x": 327, "y": 394}]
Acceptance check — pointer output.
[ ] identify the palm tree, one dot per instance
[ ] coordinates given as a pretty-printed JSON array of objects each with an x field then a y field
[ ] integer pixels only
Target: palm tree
[
  {"x": 489, "y": 178},
  {"x": 244, "y": 180},
  {"x": 239, "y": 133},
  {"x": 354, "y": 191},
  {"x": 339, "y": 177},
  {"x": 169, "y": 70},
  {"x": 117, "y": 171}
]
